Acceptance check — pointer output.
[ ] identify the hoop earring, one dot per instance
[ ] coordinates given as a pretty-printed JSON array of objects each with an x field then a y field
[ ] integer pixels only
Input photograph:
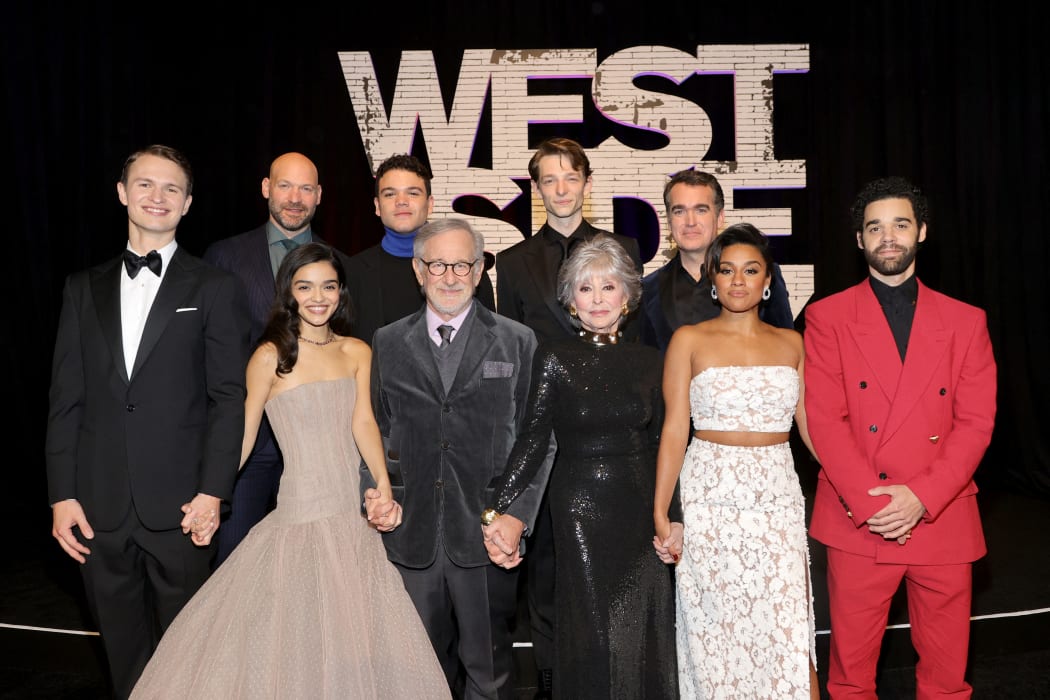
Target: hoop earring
[
  {"x": 714, "y": 294},
  {"x": 766, "y": 294},
  {"x": 572, "y": 310}
]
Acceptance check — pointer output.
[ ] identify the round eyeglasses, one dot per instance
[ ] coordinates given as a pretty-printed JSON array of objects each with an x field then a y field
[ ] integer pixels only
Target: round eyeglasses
[{"x": 461, "y": 269}]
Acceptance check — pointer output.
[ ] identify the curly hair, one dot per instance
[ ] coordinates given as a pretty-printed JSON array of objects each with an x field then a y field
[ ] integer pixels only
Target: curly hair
[{"x": 894, "y": 187}]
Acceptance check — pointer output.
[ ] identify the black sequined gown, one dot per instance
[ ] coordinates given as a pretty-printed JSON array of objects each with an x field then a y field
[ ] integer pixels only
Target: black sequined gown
[{"x": 614, "y": 620}]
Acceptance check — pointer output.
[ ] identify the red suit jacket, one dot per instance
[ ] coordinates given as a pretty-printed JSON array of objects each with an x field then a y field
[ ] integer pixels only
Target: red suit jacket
[{"x": 874, "y": 421}]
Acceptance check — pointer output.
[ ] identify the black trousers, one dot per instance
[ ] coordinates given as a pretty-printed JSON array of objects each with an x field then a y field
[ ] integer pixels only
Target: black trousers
[
  {"x": 137, "y": 581},
  {"x": 469, "y": 614}
]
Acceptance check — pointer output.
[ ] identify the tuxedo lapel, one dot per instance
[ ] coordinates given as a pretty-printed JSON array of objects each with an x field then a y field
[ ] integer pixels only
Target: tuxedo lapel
[
  {"x": 173, "y": 288},
  {"x": 105, "y": 289}
]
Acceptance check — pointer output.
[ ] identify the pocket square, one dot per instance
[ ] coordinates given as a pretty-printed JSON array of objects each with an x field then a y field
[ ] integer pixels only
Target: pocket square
[
  {"x": 185, "y": 308},
  {"x": 497, "y": 370}
]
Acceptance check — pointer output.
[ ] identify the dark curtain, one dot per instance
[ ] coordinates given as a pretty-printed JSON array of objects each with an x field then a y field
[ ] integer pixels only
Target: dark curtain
[{"x": 952, "y": 95}]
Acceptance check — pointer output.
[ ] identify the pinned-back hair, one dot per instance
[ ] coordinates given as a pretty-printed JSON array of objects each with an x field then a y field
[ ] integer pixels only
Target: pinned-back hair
[{"x": 737, "y": 234}]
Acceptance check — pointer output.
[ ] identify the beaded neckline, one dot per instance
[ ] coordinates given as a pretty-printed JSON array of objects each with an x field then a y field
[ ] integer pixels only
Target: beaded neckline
[
  {"x": 601, "y": 339},
  {"x": 331, "y": 337}
]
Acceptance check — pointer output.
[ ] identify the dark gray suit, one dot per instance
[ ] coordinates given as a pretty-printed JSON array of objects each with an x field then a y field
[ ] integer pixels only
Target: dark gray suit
[{"x": 445, "y": 452}]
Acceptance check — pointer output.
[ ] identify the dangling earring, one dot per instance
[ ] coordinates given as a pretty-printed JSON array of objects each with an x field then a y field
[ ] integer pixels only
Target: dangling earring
[
  {"x": 766, "y": 294},
  {"x": 572, "y": 310},
  {"x": 624, "y": 311},
  {"x": 714, "y": 294}
]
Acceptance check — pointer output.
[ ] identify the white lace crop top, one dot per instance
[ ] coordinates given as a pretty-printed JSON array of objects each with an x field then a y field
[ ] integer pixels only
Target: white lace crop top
[{"x": 747, "y": 399}]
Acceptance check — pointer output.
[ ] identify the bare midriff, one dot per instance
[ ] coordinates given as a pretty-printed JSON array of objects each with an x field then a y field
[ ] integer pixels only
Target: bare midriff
[{"x": 741, "y": 438}]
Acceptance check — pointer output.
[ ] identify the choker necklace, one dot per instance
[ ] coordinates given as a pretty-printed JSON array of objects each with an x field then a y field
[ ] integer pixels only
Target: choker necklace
[
  {"x": 331, "y": 337},
  {"x": 600, "y": 339}
]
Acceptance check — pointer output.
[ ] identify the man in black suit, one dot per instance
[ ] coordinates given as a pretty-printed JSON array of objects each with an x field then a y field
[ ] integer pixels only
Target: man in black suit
[
  {"x": 449, "y": 387},
  {"x": 526, "y": 276},
  {"x": 146, "y": 416},
  {"x": 292, "y": 191},
  {"x": 678, "y": 294},
  {"x": 381, "y": 279}
]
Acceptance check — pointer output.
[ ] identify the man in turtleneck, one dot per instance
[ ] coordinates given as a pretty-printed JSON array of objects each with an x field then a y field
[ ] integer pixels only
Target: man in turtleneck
[{"x": 380, "y": 279}]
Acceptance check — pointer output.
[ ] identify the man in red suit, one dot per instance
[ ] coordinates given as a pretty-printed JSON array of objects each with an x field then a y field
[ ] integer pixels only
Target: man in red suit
[{"x": 900, "y": 402}]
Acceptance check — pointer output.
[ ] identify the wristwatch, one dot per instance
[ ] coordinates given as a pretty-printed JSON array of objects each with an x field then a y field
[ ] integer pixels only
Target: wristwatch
[{"x": 488, "y": 515}]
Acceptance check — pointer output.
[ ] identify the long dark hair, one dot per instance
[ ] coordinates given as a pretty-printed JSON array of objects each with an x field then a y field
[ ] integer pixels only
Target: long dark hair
[{"x": 282, "y": 327}]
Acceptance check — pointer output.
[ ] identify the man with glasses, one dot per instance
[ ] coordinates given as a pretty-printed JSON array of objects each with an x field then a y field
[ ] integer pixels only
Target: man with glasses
[{"x": 449, "y": 387}]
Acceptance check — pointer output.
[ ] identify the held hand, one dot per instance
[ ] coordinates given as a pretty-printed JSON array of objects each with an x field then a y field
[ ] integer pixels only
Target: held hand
[
  {"x": 503, "y": 540},
  {"x": 897, "y": 519},
  {"x": 384, "y": 513},
  {"x": 201, "y": 519},
  {"x": 669, "y": 548},
  {"x": 65, "y": 515}
]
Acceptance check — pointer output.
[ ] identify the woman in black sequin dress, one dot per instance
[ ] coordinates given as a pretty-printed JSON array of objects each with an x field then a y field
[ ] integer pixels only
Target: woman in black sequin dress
[{"x": 614, "y": 624}]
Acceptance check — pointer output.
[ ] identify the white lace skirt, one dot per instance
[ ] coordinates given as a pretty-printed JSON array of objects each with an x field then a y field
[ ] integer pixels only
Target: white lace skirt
[{"x": 744, "y": 604}]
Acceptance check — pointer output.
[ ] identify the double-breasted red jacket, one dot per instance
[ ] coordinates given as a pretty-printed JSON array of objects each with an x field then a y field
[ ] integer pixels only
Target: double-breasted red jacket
[{"x": 875, "y": 421}]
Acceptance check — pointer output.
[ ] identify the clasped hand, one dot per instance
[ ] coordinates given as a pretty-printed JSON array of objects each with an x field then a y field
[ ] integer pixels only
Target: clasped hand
[
  {"x": 668, "y": 541},
  {"x": 384, "y": 514},
  {"x": 200, "y": 519},
  {"x": 503, "y": 540},
  {"x": 900, "y": 516}
]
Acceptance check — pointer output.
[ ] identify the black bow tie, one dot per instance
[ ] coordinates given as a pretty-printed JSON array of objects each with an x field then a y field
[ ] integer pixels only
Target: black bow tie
[{"x": 133, "y": 263}]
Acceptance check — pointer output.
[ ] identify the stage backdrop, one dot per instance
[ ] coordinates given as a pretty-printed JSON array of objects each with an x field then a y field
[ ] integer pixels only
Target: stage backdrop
[{"x": 793, "y": 110}]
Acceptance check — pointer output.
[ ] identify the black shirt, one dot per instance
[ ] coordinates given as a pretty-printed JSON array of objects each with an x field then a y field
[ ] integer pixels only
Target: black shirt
[
  {"x": 898, "y": 303},
  {"x": 692, "y": 298}
]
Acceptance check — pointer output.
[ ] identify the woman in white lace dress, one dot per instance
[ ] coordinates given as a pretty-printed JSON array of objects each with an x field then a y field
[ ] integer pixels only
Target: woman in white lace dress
[{"x": 744, "y": 618}]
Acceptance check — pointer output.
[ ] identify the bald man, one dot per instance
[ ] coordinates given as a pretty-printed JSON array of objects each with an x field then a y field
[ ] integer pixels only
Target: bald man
[{"x": 293, "y": 192}]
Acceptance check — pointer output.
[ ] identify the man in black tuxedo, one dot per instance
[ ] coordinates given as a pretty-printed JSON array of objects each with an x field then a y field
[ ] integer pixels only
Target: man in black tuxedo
[
  {"x": 381, "y": 279},
  {"x": 678, "y": 294},
  {"x": 146, "y": 416},
  {"x": 449, "y": 387},
  {"x": 292, "y": 191},
  {"x": 526, "y": 277}
]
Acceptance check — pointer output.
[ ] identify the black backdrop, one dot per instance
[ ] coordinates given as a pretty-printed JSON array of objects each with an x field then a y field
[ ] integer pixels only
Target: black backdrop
[{"x": 951, "y": 94}]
